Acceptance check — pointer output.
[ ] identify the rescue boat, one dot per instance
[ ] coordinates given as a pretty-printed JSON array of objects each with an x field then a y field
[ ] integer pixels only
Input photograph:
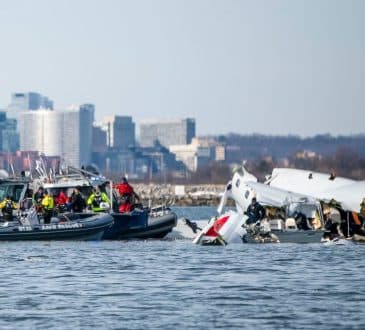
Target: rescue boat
[
  {"x": 140, "y": 223},
  {"x": 28, "y": 226}
]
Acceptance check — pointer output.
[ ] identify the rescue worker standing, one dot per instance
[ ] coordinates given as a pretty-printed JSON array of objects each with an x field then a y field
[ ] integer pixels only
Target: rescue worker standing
[
  {"x": 127, "y": 195},
  {"x": 7, "y": 207},
  {"x": 255, "y": 211},
  {"x": 48, "y": 206},
  {"x": 95, "y": 200}
]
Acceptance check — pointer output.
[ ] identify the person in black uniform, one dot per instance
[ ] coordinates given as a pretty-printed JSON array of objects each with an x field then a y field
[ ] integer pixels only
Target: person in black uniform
[
  {"x": 37, "y": 199},
  {"x": 255, "y": 212},
  {"x": 77, "y": 202}
]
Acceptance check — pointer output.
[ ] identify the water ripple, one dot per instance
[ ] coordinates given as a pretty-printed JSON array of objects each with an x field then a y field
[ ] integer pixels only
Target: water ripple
[{"x": 173, "y": 284}]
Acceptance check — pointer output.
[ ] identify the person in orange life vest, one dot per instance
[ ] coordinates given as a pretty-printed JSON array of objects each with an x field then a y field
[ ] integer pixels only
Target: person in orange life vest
[{"x": 127, "y": 195}]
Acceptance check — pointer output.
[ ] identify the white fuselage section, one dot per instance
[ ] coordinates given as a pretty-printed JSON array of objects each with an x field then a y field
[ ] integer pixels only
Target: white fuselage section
[{"x": 349, "y": 193}]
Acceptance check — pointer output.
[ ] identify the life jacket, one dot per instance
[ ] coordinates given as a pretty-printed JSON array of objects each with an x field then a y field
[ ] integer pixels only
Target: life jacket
[
  {"x": 97, "y": 200},
  {"x": 124, "y": 189},
  {"x": 61, "y": 199},
  {"x": 48, "y": 203},
  {"x": 8, "y": 208},
  {"x": 126, "y": 207}
]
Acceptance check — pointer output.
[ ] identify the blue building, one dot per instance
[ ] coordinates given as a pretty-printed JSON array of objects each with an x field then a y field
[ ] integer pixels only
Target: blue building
[{"x": 9, "y": 137}]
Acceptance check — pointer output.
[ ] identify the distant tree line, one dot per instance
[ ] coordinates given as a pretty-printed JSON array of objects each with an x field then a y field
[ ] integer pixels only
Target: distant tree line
[
  {"x": 257, "y": 146},
  {"x": 344, "y": 155},
  {"x": 343, "y": 162}
]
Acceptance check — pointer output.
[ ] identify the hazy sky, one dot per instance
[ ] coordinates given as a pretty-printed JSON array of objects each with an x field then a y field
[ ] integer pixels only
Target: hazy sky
[{"x": 273, "y": 67}]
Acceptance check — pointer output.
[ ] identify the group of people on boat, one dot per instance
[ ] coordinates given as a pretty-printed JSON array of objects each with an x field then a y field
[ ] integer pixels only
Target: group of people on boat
[{"x": 49, "y": 204}]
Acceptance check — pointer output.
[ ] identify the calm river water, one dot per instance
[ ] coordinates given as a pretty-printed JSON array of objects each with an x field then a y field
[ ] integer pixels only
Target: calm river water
[{"x": 176, "y": 285}]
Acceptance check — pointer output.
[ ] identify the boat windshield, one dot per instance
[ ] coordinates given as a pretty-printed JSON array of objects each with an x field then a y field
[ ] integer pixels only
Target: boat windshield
[
  {"x": 12, "y": 190},
  {"x": 308, "y": 209}
]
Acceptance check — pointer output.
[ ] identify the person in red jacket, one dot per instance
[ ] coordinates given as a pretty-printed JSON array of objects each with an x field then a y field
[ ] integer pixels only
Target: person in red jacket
[
  {"x": 127, "y": 195},
  {"x": 61, "y": 201}
]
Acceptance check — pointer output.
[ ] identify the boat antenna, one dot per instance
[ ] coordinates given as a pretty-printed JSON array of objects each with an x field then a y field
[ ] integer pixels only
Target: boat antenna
[
  {"x": 12, "y": 169},
  {"x": 48, "y": 176},
  {"x": 111, "y": 195},
  {"x": 40, "y": 169},
  {"x": 30, "y": 167}
]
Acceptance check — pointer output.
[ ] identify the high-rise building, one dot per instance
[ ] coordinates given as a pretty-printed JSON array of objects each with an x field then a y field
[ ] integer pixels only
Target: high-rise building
[
  {"x": 99, "y": 140},
  {"x": 65, "y": 133},
  {"x": 77, "y": 132},
  {"x": 9, "y": 137},
  {"x": 167, "y": 133},
  {"x": 27, "y": 101},
  {"x": 120, "y": 131}
]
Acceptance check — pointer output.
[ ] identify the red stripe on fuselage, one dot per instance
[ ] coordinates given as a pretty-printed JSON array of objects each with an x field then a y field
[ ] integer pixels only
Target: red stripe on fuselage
[{"x": 218, "y": 224}]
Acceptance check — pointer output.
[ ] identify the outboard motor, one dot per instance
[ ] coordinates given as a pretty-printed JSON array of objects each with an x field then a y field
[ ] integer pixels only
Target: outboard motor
[{"x": 29, "y": 217}]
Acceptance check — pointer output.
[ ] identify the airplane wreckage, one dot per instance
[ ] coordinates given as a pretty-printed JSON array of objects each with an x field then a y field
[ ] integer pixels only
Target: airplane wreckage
[{"x": 292, "y": 206}]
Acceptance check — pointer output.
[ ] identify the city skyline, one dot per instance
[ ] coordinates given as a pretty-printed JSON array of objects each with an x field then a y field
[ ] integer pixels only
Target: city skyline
[
  {"x": 101, "y": 122},
  {"x": 283, "y": 67}
]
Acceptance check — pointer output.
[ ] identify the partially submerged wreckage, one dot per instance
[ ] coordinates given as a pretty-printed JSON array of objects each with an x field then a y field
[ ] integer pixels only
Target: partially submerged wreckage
[{"x": 300, "y": 207}]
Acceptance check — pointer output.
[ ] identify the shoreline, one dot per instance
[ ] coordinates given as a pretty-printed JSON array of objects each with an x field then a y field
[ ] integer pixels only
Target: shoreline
[{"x": 180, "y": 195}]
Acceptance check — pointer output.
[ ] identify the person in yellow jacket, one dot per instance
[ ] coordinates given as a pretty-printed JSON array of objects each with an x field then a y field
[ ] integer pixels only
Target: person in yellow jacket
[
  {"x": 95, "y": 200},
  {"x": 7, "y": 206},
  {"x": 48, "y": 207}
]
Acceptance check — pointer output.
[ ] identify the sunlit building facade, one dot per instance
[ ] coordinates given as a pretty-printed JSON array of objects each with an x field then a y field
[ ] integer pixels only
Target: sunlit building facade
[
  {"x": 167, "y": 133},
  {"x": 27, "y": 101},
  {"x": 66, "y": 133}
]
